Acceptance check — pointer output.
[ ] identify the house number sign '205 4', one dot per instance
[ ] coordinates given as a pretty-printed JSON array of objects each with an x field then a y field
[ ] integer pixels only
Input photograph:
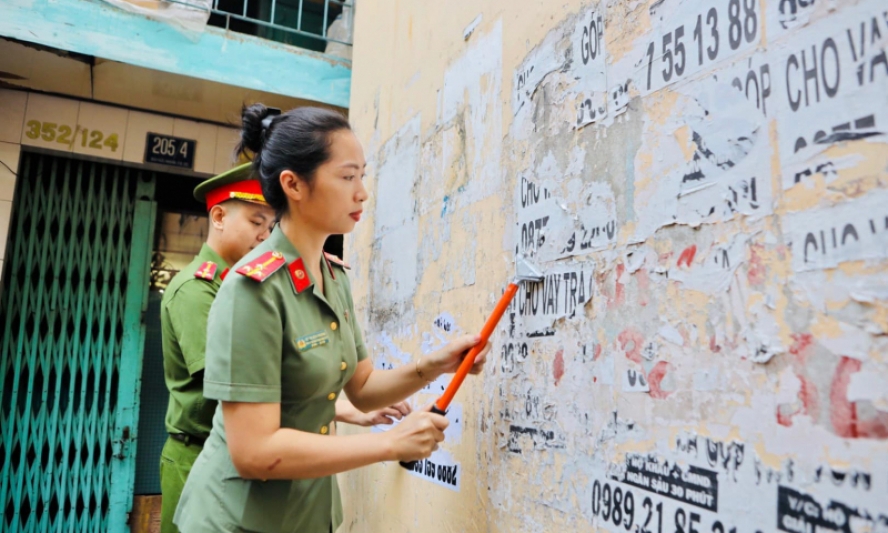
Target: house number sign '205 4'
[{"x": 171, "y": 151}]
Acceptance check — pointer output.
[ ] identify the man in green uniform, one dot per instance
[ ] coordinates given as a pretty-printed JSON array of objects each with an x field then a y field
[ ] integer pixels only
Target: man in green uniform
[{"x": 239, "y": 220}]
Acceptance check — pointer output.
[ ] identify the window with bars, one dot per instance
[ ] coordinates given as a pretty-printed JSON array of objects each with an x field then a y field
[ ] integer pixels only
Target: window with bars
[{"x": 310, "y": 24}]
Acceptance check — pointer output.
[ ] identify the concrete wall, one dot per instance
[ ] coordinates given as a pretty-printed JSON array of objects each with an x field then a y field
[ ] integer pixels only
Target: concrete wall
[
  {"x": 61, "y": 73},
  {"x": 704, "y": 184},
  {"x": 105, "y": 32}
]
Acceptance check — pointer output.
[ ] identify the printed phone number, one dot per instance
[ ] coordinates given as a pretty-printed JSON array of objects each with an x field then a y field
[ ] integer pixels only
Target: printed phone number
[
  {"x": 619, "y": 508},
  {"x": 701, "y": 41},
  {"x": 64, "y": 134}
]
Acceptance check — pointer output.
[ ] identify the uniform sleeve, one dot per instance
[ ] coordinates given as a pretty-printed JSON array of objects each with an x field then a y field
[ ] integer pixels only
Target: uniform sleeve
[
  {"x": 244, "y": 343},
  {"x": 359, "y": 336},
  {"x": 188, "y": 316}
]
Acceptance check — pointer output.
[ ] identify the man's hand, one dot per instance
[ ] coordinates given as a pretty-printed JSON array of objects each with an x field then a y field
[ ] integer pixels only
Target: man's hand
[
  {"x": 346, "y": 412},
  {"x": 387, "y": 416}
]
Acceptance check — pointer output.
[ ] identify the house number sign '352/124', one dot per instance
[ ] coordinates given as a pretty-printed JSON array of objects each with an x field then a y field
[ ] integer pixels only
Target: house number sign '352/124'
[
  {"x": 68, "y": 135},
  {"x": 171, "y": 151}
]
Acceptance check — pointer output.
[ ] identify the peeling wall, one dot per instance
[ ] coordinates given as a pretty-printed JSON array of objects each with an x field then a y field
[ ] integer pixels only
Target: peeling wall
[{"x": 705, "y": 186}]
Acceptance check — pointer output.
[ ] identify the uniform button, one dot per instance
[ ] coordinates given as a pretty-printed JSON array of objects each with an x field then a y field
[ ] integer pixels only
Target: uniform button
[
  {"x": 333, "y": 326},
  {"x": 324, "y": 430},
  {"x": 331, "y": 396},
  {"x": 343, "y": 366}
]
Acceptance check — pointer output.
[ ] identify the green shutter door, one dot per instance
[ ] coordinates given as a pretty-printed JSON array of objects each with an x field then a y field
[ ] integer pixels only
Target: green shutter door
[{"x": 71, "y": 334}]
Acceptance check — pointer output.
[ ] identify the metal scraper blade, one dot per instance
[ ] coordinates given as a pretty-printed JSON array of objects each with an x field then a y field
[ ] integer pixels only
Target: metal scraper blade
[{"x": 526, "y": 271}]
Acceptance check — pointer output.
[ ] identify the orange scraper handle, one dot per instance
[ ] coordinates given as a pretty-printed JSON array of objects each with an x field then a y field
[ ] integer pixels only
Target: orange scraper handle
[
  {"x": 440, "y": 406},
  {"x": 444, "y": 401}
]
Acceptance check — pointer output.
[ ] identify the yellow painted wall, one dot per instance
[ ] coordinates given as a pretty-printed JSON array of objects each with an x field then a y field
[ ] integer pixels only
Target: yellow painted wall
[{"x": 710, "y": 211}]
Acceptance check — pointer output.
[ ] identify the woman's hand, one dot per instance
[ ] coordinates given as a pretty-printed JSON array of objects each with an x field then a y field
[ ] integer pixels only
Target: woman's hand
[
  {"x": 447, "y": 359},
  {"x": 387, "y": 416},
  {"x": 417, "y": 436},
  {"x": 371, "y": 389}
]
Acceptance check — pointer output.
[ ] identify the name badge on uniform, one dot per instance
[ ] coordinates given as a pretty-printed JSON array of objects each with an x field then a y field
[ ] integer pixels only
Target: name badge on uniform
[{"x": 313, "y": 340}]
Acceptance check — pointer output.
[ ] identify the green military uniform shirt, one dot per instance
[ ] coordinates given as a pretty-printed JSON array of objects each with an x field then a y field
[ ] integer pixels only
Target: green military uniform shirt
[
  {"x": 277, "y": 340},
  {"x": 183, "y": 319}
]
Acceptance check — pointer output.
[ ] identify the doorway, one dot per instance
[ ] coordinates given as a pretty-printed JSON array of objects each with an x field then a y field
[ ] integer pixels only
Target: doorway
[
  {"x": 180, "y": 230},
  {"x": 71, "y": 334}
]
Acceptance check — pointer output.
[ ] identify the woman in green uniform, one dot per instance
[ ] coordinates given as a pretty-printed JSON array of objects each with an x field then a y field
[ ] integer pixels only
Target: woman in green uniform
[{"x": 283, "y": 342}]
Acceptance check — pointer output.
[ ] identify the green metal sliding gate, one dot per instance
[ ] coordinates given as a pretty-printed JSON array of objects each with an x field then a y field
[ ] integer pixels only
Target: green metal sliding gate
[{"x": 71, "y": 334}]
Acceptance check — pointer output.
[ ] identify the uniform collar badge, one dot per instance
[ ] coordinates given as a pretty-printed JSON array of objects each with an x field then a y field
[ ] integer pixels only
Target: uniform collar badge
[
  {"x": 206, "y": 271},
  {"x": 300, "y": 277},
  {"x": 329, "y": 266},
  {"x": 334, "y": 260},
  {"x": 337, "y": 261}
]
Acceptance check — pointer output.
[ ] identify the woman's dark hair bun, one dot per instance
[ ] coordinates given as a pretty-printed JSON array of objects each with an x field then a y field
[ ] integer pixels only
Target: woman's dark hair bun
[
  {"x": 298, "y": 140},
  {"x": 252, "y": 130}
]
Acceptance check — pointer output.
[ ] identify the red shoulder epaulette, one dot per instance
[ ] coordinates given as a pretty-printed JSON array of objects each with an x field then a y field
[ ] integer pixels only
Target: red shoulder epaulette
[
  {"x": 263, "y": 266},
  {"x": 206, "y": 271},
  {"x": 337, "y": 261}
]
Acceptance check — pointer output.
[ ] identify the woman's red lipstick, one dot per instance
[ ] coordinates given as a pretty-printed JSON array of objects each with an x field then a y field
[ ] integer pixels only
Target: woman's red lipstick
[{"x": 356, "y": 216}]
